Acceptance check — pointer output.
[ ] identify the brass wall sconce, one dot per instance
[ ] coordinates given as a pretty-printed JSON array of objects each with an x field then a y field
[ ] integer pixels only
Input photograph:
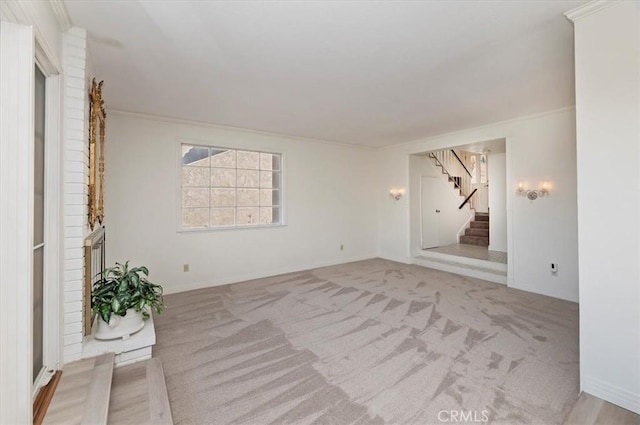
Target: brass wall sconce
[{"x": 533, "y": 194}]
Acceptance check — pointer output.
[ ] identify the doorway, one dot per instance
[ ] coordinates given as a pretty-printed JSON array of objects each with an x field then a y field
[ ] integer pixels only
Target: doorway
[
  {"x": 38, "y": 223},
  {"x": 461, "y": 216}
]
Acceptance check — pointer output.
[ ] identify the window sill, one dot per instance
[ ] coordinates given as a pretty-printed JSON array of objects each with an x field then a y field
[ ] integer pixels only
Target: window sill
[{"x": 224, "y": 229}]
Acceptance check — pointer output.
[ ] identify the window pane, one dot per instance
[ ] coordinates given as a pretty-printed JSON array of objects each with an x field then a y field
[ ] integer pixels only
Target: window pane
[
  {"x": 276, "y": 180},
  {"x": 266, "y": 215},
  {"x": 195, "y": 217},
  {"x": 248, "y": 178},
  {"x": 248, "y": 160},
  {"x": 247, "y": 216},
  {"x": 266, "y": 161},
  {"x": 276, "y": 162},
  {"x": 196, "y": 156},
  {"x": 266, "y": 179},
  {"x": 269, "y": 197},
  {"x": 38, "y": 309},
  {"x": 269, "y": 179},
  {"x": 195, "y": 176},
  {"x": 269, "y": 215},
  {"x": 223, "y": 197},
  {"x": 223, "y": 216},
  {"x": 223, "y": 158},
  {"x": 248, "y": 197},
  {"x": 195, "y": 197},
  {"x": 223, "y": 177}
]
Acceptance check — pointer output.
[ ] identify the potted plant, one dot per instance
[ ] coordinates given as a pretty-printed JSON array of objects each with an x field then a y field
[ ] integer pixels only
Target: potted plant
[{"x": 122, "y": 298}]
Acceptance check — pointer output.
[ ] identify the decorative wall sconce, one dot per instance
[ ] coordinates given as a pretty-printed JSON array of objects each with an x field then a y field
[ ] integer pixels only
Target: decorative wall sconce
[
  {"x": 533, "y": 194},
  {"x": 396, "y": 194}
]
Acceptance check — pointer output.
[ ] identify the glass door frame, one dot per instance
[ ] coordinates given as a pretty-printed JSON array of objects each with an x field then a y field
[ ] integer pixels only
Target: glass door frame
[{"x": 53, "y": 311}]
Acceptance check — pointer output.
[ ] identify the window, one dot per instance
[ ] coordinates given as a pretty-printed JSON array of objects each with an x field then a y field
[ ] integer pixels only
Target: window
[{"x": 226, "y": 188}]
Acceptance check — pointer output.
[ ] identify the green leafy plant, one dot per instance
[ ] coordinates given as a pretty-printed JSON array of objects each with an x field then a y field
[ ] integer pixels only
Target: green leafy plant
[{"x": 122, "y": 288}]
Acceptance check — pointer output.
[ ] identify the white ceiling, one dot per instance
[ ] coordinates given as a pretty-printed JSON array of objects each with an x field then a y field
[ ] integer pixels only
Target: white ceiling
[{"x": 371, "y": 73}]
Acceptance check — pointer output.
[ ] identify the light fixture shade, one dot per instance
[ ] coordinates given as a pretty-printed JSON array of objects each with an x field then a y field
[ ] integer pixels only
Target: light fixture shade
[
  {"x": 533, "y": 194},
  {"x": 396, "y": 194}
]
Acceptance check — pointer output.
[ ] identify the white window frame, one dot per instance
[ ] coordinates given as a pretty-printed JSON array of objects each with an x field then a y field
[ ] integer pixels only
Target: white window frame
[{"x": 209, "y": 144}]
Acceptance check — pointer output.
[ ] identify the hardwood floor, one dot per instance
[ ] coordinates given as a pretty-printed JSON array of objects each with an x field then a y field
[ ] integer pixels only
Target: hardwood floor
[
  {"x": 92, "y": 391},
  {"x": 43, "y": 399},
  {"x": 590, "y": 410}
]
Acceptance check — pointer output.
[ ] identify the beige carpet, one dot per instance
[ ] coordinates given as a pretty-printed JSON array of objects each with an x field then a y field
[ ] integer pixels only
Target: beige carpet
[{"x": 372, "y": 342}]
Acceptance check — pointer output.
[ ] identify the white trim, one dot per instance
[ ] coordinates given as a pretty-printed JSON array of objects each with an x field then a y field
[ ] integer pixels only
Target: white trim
[
  {"x": 589, "y": 8},
  {"x": 62, "y": 16},
  {"x": 53, "y": 300},
  {"x": 225, "y": 228},
  {"x": 403, "y": 260},
  {"x": 418, "y": 143},
  {"x": 41, "y": 380},
  {"x": 260, "y": 275},
  {"x": 16, "y": 221},
  {"x": 611, "y": 393},
  {"x": 511, "y": 237},
  {"x": 462, "y": 269},
  {"x": 232, "y": 128},
  {"x": 21, "y": 12}
]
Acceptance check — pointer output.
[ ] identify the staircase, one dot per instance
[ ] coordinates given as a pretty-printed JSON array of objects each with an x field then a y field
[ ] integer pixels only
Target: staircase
[
  {"x": 478, "y": 232},
  {"x": 92, "y": 391},
  {"x": 452, "y": 164}
]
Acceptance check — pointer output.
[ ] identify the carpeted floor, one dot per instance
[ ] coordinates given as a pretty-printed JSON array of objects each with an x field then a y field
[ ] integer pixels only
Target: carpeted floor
[{"x": 372, "y": 342}]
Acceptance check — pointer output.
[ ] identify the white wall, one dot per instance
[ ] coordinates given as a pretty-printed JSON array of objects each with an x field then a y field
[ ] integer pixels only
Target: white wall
[
  {"x": 451, "y": 218},
  {"x": 608, "y": 109},
  {"x": 540, "y": 147},
  {"x": 330, "y": 200},
  {"x": 497, "y": 169}
]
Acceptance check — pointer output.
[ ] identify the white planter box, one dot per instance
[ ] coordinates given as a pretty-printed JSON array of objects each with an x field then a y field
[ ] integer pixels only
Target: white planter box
[{"x": 119, "y": 326}]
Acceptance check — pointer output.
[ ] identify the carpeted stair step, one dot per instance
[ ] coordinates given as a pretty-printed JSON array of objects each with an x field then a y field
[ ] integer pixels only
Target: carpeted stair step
[
  {"x": 480, "y": 225},
  {"x": 477, "y": 232},
  {"x": 474, "y": 240},
  {"x": 482, "y": 217}
]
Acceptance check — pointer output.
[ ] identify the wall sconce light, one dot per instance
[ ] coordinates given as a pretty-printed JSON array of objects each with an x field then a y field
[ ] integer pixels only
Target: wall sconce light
[
  {"x": 396, "y": 194},
  {"x": 533, "y": 194}
]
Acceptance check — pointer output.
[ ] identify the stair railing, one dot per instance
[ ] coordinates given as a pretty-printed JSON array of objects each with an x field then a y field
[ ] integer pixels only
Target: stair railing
[{"x": 457, "y": 171}]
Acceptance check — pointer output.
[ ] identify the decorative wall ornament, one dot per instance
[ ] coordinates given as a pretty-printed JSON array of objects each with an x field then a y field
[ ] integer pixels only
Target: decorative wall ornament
[{"x": 97, "y": 119}]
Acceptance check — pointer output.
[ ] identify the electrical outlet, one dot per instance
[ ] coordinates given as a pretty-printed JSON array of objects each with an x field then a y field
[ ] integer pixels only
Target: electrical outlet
[
  {"x": 185, "y": 267},
  {"x": 341, "y": 247}
]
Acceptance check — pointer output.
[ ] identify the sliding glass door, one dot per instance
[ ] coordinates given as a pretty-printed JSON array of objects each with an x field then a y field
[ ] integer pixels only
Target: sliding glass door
[{"x": 38, "y": 224}]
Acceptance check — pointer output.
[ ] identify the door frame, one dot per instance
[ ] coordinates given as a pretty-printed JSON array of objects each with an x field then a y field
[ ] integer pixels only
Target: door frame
[
  {"x": 22, "y": 47},
  {"x": 53, "y": 308},
  {"x": 16, "y": 221},
  {"x": 53, "y": 225}
]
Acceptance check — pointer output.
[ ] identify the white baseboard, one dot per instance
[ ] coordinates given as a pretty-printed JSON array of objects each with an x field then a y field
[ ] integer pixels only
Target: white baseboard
[
  {"x": 251, "y": 276},
  {"x": 611, "y": 393},
  {"x": 403, "y": 260}
]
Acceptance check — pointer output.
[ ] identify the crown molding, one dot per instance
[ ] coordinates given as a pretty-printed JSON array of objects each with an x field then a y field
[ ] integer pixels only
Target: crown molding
[
  {"x": 182, "y": 121},
  {"x": 62, "y": 16},
  {"x": 21, "y": 12},
  {"x": 589, "y": 8},
  {"x": 429, "y": 139}
]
